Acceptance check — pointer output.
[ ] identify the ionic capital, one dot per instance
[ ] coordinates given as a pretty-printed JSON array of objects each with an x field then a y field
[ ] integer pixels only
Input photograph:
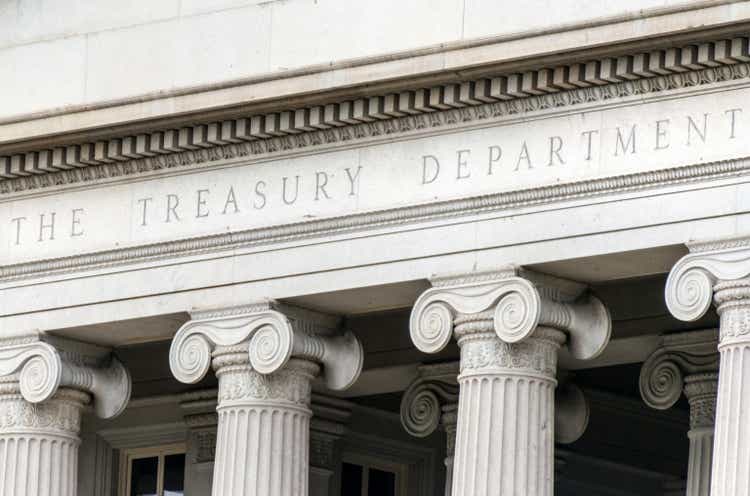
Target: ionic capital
[
  {"x": 690, "y": 285},
  {"x": 424, "y": 401},
  {"x": 517, "y": 302},
  {"x": 679, "y": 357},
  {"x": 272, "y": 334},
  {"x": 42, "y": 365}
]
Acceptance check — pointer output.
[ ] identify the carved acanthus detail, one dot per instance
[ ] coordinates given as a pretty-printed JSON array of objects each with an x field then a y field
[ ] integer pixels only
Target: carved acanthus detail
[{"x": 270, "y": 339}]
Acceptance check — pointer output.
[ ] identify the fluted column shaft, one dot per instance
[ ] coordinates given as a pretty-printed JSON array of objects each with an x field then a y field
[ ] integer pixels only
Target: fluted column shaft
[
  {"x": 700, "y": 390},
  {"x": 39, "y": 443},
  {"x": 449, "y": 420},
  {"x": 505, "y": 432},
  {"x": 731, "y": 461},
  {"x": 262, "y": 445}
]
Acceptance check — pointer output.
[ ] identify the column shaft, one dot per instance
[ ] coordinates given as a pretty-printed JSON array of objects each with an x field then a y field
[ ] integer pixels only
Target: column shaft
[
  {"x": 700, "y": 390},
  {"x": 505, "y": 433},
  {"x": 262, "y": 445},
  {"x": 39, "y": 443},
  {"x": 731, "y": 462}
]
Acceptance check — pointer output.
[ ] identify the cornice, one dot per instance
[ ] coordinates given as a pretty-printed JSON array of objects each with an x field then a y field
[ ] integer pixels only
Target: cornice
[{"x": 307, "y": 128}]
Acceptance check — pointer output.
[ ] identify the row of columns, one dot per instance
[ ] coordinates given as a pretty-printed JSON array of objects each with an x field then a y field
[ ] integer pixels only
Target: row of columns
[{"x": 497, "y": 404}]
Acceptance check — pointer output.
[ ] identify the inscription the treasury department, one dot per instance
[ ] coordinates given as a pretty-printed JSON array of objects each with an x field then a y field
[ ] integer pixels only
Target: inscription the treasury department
[
  {"x": 417, "y": 170},
  {"x": 619, "y": 141}
]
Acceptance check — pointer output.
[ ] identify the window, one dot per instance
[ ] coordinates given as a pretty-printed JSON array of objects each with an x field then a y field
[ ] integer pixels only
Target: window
[
  {"x": 157, "y": 471},
  {"x": 364, "y": 477}
]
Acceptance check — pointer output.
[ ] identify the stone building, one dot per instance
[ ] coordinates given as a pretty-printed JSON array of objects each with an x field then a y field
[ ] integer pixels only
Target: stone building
[{"x": 375, "y": 248}]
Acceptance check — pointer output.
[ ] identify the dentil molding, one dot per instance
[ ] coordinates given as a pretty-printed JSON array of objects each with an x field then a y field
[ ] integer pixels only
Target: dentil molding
[{"x": 292, "y": 129}]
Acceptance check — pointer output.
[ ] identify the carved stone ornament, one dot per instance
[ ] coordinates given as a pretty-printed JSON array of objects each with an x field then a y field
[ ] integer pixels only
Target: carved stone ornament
[
  {"x": 274, "y": 337},
  {"x": 44, "y": 368},
  {"x": 690, "y": 285},
  {"x": 663, "y": 374},
  {"x": 519, "y": 306}
]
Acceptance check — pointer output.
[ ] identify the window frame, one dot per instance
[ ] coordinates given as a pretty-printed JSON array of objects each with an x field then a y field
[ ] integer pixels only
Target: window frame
[
  {"x": 127, "y": 455},
  {"x": 401, "y": 471}
]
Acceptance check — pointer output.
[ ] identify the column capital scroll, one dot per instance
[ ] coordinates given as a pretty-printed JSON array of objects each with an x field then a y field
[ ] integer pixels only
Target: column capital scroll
[
  {"x": 663, "y": 375},
  {"x": 517, "y": 301},
  {"x": 272, "y": 334},
  {"x": 42, "y": 365}
]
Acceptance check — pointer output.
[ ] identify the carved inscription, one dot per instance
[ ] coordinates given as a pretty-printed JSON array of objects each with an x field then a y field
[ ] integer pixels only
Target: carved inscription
[{"x": 506, "y": 156}]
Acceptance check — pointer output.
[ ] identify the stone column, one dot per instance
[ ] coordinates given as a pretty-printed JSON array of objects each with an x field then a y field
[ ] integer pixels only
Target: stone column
[
  {"x": 265, "y": 357},
  {"x": 687, "y": 362},
  {"x": 509, "y": 325},
  {"x": 720, "y": 271},
  {"x": 430, "y": 401},
  {"x": 199, "y": 409},
  {"x": 44, "y": 387},
  {"x": 328, "y": 426}
]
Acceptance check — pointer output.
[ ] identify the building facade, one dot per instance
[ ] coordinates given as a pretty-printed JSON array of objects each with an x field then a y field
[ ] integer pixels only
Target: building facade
[{"x": 350, "y": 248}]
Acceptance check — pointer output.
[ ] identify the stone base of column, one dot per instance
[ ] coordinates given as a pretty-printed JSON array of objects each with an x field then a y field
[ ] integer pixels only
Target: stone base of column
[{"x": 39, "y": 443}]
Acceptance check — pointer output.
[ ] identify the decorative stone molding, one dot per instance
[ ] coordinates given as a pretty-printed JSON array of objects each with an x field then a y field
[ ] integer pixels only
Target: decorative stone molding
[
  {"x": 274, "y": 337},
  {"x": 687, "y": 362},
  {"x": 290, "y": 129},
  {"x": 45, "y": 384},
  {"x": 265, "y": 357},
  {"x": 509, "y": 325}
]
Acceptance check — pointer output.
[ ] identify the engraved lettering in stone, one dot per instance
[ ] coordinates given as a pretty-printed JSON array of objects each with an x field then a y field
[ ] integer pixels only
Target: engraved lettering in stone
[
  {"x": 353, "y": 180},
  {"x": 462, "y": 167},
  {"x": 201, "y": 210},
  {"x": 524, "y": 155},
  {"x": 555, "y": 145},
  {"x": 732, "y": 121},
  {"x": 48, "y": 226},
  {"x": 588, "y": 135},
  {"x": 173, "y": 201},
  {"x": 621, "y": 146},
  {"x": 662, "y": 134},
  {"x": 75, "y": 223},
  {"x": 692, "y": 126},
  {"x": 18, "y": 221},
  {"x": 430, "y": 168},
  {"x": 260, "y": 195},
  {"x": 144, "y": 204},
  {"x": 231, "y": 200},
  {"x": 496, "y": 153},
  {"x": 321, "y": 180},
  {"x": 287, "y": 200}
]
